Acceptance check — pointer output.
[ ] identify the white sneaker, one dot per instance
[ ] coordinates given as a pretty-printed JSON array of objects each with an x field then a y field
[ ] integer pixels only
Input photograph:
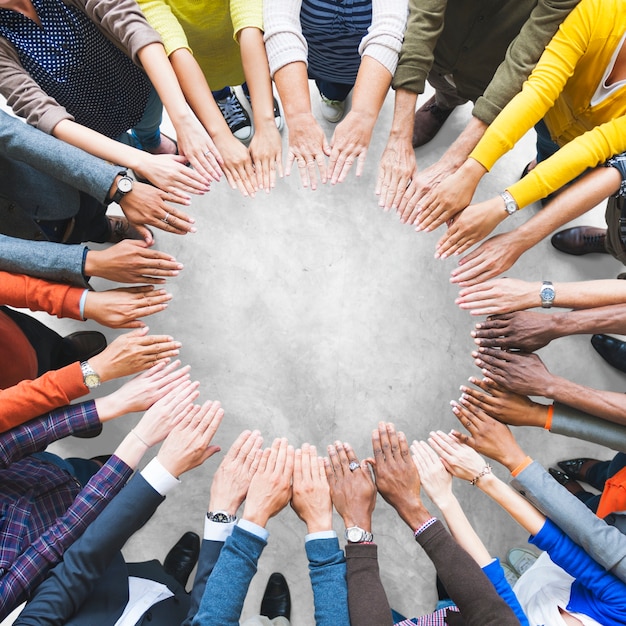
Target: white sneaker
[{"x": 332, "y": 110}]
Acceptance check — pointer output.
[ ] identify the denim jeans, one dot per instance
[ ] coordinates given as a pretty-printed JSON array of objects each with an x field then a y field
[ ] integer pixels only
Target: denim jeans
[{"x": 333, "y": 91}]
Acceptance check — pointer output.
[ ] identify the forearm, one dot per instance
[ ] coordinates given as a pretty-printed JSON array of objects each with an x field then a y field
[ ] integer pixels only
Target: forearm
[
  {"x": 403, "y": 115},
  {"x": 370, "y": 89},
  {"x": 607, "y": 319},
  {"x": 293, "y": 86},
  {"x": 460, "y": 149}
]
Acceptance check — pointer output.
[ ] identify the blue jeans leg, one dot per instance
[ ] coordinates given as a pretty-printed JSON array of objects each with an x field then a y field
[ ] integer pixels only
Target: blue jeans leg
[
  {"x": 545, "y": 146},
  {"x": 333, "y": 91},
  {"x": 147, "y": 131}
]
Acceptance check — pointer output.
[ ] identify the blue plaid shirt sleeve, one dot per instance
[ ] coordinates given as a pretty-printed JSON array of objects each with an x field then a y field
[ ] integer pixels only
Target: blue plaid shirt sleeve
[{"x": 31, "y": 567}]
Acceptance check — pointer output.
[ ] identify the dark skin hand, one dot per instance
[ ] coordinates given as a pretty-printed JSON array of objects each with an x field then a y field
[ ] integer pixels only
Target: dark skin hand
[
  {"x": 353, "y": 492},
  {"x": 519, "y": 372},
  {"x": 396, "y": 475},
  {"x": 523, "y": 330}
]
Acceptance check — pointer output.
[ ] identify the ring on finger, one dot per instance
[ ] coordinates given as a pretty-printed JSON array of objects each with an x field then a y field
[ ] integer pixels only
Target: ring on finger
[
  {"x": 354, "y": 465},
  {"x": 206, "y": 154},
  {"x": 468, "y": 424},
  {"x": 167, "y": 215}
]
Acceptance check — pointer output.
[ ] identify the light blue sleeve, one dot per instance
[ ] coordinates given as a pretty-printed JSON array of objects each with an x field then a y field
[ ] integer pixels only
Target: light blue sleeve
[{"x": 495, "y": 574}]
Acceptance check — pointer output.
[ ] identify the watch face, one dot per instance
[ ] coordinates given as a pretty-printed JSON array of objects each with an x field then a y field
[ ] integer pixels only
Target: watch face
[
  {"x": 547, "y": 293},
  {"x": 222, "y": 518},
  {"x": 354, "y": 534},
  {"x": 125, "y": 184},
  {"x": 92, "y": 380}
]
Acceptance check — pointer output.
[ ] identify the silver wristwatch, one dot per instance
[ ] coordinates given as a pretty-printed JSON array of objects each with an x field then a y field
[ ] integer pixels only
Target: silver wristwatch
[
  {"x": 510, "y": 205},
  {"x": 354, "y": 534},
  {"x": 221, "y": 517},
  {"x": 90, "y": 377},
  {"x": 547, "y": 294}
]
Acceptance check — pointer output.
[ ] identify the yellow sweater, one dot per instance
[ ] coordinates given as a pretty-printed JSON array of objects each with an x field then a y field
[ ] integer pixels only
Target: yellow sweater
[
  {"x": 560, "y": 90},
  {"x": 209, "y": 28}
]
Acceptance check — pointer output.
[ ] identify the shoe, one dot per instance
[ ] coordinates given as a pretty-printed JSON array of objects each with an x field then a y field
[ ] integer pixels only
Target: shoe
[
  {"x": 122, "y": 229},
  {"x": 567, "y": 481},
  {"x": 332, "y": 110},
  {"x": 510, "y": 574},
  {"x": 236, "y": 116},
  {"x": 612, "y": 350},
  {"x": 521, "y": 559},
  {"x": 182, "y": 558},
  {"x": 578, "y": 468},
  {"x": 83, "y": 345},
  {"x": 580, "y": 240},
  {"x": 278, "y": 116},
  {"x": 528, "y": 167},
  {"x": 429, "y": 119},
  {"x": 276, "y": 599}
]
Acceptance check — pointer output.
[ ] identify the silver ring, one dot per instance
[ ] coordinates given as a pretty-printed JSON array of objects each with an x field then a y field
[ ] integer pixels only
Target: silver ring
[
  {"x": 167, "y": 215},
  {"x": 206, "y": 154},
  {"x": 354, "y": 465}
]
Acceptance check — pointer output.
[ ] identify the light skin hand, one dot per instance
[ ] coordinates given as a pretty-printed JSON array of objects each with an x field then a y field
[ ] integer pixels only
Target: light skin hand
[
  {"x": 502, "y": 405},
  {"x": 310, "y": 498},
  {"x": 518, "y": 372},
  {"x": 232, "y": 478},
  {"x": 501, "y": 295},
  {"x": 459, "y": 459},
  {"x": 266, "y": 153},
  {"x": 237, "y": 165},
  {"x": 195, "y": 144},
  {"x": 349, "y": 143},
  {"x": 352, "y": 493},
  {"x": 309, "y": 148},
  {"x": 122, "y": 308},
  {"x": 434, "y": 477},
  {"x": 469, "y": 227},
  {"x": 397, "y": 169},
  {"x": 523, "y": 330},
  {"x": 131, "y": 261},
  {"x": 132, "y": 353},
  {"x": 188, "y": 444},
  {"x": 270, "y": 487}
]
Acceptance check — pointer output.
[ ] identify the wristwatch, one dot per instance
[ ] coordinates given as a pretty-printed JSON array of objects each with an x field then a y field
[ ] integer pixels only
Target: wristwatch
[
  {"x": 90, "y": 377},
  {"x": 124, "y": 186},
  {"x": 221, "y": 517},
  {"x": 547, "y": 294},
  {"x": 354, "y": 534},
  {"x": 510, "y": 205}
]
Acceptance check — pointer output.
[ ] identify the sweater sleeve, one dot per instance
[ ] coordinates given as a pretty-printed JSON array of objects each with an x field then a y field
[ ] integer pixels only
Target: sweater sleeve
[
  {"x": 327, "y": 569},
  {"x": 522, "y": 56},
  {"x": 160, "y": 16},
  {"x": 495, "y": 574},
  {"x": 418, "y": 49},
  {"x": 284, "y": 41},
  {"x": 228, "y": 583},
  {"x": 367, "y": 599},
  {"x": 31, "y": 398},
  {"x": 383, "y": 41},
  {"x": 246, "y": 14}
]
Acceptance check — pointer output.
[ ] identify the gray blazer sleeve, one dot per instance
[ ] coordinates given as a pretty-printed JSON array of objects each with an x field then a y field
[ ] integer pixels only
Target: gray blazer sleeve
[
  {"x": 43, "y": 259},
  {"x": 604, "y": 543},
  {"x": 574, "y": 423}
]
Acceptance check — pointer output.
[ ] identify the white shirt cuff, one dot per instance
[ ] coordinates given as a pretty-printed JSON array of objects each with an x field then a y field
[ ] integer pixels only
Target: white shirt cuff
[
  {"x": 322, "y": 534},
  {"x": 159, "y": 478},
  {"x": 217, "y": 531},
  {"x": 253, "y": 528}
]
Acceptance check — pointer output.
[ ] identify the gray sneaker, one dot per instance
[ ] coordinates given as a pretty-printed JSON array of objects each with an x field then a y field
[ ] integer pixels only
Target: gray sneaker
[
  {"x": 332, "y": 110},
  {"x": 236, "y": 116}
]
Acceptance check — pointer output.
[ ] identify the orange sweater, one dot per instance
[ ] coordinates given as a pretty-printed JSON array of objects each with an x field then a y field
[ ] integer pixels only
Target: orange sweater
[{"x": 30, "y": 398}]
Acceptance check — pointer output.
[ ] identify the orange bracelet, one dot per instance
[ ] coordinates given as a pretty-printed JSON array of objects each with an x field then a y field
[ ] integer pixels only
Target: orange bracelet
[
  {"x": 548, "y": 424},
  {"x": 522, "y": 466}
]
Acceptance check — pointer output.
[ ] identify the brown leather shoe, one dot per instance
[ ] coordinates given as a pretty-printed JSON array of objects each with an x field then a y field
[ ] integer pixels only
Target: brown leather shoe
[
  {"x": 429, "y": 119},
  {"x": 580, "y": 240},
  {"x": 120, "y": 229}
]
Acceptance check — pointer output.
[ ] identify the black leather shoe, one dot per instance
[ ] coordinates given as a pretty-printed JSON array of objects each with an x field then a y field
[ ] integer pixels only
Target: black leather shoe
[
  {"x": 83, "y": 345},
  {"x": 429, "y": 119},
  {"x": 567, "y": 481},
  {"x": 612, "y": 350},
  {"x": 574, "y": 467},
  {"x": 580, "y": 240},
  {"x": 182, "y": 558},
  {"x": 276, "y": 599}
]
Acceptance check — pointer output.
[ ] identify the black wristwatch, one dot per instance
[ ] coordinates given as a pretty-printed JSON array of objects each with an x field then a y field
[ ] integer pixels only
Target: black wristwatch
[
  {"x": 124, "y": 186},
  {"x": 221, "y": 517}
]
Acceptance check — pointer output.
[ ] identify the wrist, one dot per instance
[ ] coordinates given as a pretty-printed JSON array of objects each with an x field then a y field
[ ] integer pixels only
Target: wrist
[
  {"x": 256, "y": 517},
  {"x": 92, "y": 265},
  {"x": 99, "y": 363},
  {"x": 223, "y": 504},
  {"x": 362, "y": 521},
  {"x": 319, "y": 525}
]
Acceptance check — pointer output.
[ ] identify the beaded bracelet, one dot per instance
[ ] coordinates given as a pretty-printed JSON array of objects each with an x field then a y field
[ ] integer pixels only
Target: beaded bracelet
[{"x": 485, "y": 470}]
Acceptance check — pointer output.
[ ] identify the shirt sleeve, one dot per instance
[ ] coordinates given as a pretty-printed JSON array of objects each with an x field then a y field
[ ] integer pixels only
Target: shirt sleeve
[
  {"x": 383, "y": 41},
  {"x": 495, "y": 574},
  {"x": 284, "y": 41},
  {"x": 246, "y": 14},
  {"x": 160, "y": 16}
]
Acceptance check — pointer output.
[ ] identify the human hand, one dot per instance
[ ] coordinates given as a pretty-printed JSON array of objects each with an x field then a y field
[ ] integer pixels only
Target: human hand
[
  {"x": 141, "y": 392},
  {"x": 237, "y": 164},
  {"x": 502, "y": 405},
  {"x": 267, "y": 155},
  {"x": 195, "y": 144},
  {"x": 158, "y": 421},
  {"x": 397, "y": 170},
  {"x": 524, "y": 330},
  {"x": 349, "y": 143},
  {"x": 309, "y": 148},
  {"x": 490, "y": 259},
  {"x": 146, "y": 205},
  {"x": 502, "y": 295},
  {"x": 122, "y": 307},
  {"x": 132, "y": 353},
  {"x": 170, "y": 173},
  {"x": 187, "y": 445},
  {"x": 131, "y": 261},
  {"x": 397, "y": 479},
  {"x": 435, "y": 479},
  {"x": 519, "y": 372},
  {"x": 270, "y": 487},
  {"x": 232, "y": 478},
  {"x": 487, "y": 436},
  {"x": 470, "y": 226},
  {"x": 458, "y": 458},
  {"x": 310, "y": 497},
  {"x": 353, "y": 492}
]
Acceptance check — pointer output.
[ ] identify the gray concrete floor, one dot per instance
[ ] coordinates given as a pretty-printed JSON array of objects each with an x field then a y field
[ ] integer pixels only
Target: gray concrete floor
[{"x": 314, "y": 315}]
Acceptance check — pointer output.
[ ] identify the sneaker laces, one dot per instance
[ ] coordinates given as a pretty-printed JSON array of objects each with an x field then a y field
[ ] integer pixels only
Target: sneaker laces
[{"x": 232, "y": 111}]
